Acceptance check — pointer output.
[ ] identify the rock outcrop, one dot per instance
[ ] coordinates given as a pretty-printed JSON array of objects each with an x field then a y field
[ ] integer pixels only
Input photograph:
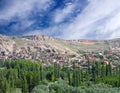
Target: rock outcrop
[{"x": 39, "y": 47}]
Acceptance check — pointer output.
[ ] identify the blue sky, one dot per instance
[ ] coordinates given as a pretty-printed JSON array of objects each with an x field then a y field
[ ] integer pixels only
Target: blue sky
[{"x": 66, "y": 19}]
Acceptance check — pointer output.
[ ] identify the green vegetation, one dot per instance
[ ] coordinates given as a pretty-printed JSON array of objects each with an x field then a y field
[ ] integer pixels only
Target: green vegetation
[{"x": 23, "y": 76}]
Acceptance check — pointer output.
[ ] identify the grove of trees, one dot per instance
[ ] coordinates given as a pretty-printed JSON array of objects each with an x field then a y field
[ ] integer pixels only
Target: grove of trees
[{"x": 23, "y": 76}]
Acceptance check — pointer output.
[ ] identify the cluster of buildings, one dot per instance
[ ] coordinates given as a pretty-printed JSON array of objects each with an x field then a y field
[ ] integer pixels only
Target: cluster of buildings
[{"x": 43, "y": 52}]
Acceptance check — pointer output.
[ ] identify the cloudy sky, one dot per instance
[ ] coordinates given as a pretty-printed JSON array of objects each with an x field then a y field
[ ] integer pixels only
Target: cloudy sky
[{"x": 66, "y": 19}]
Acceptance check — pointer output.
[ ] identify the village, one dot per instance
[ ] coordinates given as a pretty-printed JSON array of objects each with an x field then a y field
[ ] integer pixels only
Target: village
[{"x": 45, "y": 53}]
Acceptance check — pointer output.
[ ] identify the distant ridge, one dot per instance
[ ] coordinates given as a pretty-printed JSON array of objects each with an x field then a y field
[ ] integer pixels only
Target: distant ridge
[{"x": 37, "y": 45}]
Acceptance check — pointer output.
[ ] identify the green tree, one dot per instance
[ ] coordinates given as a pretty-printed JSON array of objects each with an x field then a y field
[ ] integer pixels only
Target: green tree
[
  {"x": 7, "y": 87},
  {"x": 24, "y": 86},
  {"x": 93, "y": 72},
  {"x": 41, "y": 72},
  {"x": 56, "y": 71},
  {"x": 69, "y": 76}
]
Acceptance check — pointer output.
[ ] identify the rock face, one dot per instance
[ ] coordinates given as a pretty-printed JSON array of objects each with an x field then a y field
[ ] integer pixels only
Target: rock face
[
  {"x": 6, "y": 47},
  {"x": 27, "y": 47},
  {"x": 39, "y": 47}
]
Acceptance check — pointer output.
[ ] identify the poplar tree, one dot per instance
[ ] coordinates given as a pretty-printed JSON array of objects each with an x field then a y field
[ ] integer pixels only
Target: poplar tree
[
  {"x": 93, "y": 72},
  {"x": 69, "y": 76},
  {"x": 110, "y": 69},
  {"x": 6, "y": 87},
  {"x": 41, "y": 72},
  {"x": 56, "y": 71},
  {"x": 75, "y": 76},
  {"x": 103, "y": 70},
  {"x": 24, "y": 86},
  {"x": 119, "y": 77}
]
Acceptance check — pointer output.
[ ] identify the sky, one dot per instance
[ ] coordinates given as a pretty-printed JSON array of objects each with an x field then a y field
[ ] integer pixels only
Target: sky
[{"x": 66, "y": 19}]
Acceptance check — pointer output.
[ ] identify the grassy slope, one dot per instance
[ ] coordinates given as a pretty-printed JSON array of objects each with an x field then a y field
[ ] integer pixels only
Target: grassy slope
[{"x": 62, "y": 45}]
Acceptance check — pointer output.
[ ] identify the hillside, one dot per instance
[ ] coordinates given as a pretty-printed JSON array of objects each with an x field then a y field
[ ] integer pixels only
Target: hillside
[
  {"x": 55, "y": 66},
  {"x": 39, "y": 47}
]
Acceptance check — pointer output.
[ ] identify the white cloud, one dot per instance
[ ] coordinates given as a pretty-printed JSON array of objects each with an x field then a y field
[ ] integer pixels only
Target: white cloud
[
  {"x": 90, "y": 21},
  {"x": 51, "y": 31},
  {"x": 22, "y": 8},
  {"x": 99, "y": 19},
  {"x": 61, "y": 14},
  {"x": 22, "y": 25}
]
